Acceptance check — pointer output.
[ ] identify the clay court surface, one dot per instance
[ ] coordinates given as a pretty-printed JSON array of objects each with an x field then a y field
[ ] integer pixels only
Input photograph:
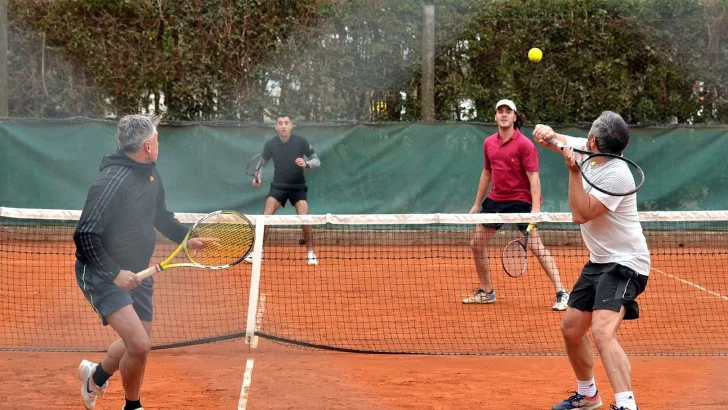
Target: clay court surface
[
  {"x": 358, "y": 302},
  {"x": 210, "y": 377}
]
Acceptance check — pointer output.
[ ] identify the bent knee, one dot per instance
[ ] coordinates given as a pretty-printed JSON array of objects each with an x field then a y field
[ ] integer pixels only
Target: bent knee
[
  {"x": 602, "y": 336},
  {"x": 568, "y": 330},
  {"x": 139, "y": 346},
  {"x": 572, "y": 330}
]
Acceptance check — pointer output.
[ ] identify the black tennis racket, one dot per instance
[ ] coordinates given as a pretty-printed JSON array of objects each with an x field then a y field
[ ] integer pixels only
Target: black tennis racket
[
  {"x": 254, "y": 166},
  {"x": 609, "y": 173},
  {"x": 514, "y": 256}
]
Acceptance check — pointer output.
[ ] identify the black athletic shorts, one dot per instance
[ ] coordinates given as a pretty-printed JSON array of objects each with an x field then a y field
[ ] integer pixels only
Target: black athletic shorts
[
  {"x": 106, "y": 298},
  {"x": 608, "y": 286},
  {"x": 490, "y": 206},
  {"x": 292, "y": 195}
]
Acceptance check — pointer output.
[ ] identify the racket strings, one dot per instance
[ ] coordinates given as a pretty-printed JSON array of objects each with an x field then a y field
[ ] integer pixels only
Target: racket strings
[
  {"x": 613, "y": 176},
  {"x": 514, "y": 258},
  {"x": 254, "y": 165},
  {"x": 228, "y": 236}
]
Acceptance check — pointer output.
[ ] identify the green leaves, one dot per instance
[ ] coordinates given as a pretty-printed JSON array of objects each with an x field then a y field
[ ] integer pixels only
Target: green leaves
[{"x": 651, "y": 60}]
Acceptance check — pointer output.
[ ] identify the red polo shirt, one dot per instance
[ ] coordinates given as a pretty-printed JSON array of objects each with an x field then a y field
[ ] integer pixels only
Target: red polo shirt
[{"x": 508, "y": 162}]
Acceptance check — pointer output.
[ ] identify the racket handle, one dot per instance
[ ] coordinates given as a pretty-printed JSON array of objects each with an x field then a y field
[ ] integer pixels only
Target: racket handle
[
  {"x": 557, "y": 143},
  {"x": 148, "y": 272}
]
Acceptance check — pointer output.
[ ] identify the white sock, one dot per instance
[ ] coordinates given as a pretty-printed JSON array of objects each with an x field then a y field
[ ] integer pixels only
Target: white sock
[
  {"x": 587, "y": 388},
  {"x": 311, "y": 255},
  {"x": 625, "y": 399}
]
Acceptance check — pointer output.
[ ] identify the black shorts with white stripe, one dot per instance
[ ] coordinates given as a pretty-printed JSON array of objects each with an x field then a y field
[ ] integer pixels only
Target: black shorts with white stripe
[{"x": 608, "y": 286}]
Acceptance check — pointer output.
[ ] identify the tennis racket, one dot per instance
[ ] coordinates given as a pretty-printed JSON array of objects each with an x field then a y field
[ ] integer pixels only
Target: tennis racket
[
  {"x": 253, "y": 167},
  {"x": 609, "y": 173},
  {"x": 228, "y": 237},
  {"x": 514, "y": 256}
]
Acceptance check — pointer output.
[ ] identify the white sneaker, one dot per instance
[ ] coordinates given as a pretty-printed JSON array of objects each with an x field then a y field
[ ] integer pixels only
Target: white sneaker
[
  {"x": 311, "y": 259},
  {"x": 480, "y": 297},
  {"x": 562, "y": 301},
  {"x": 89, "y": 390}
]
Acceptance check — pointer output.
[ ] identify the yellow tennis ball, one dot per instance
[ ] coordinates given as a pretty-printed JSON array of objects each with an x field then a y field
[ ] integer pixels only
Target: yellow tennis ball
[{"x": 535, "y": 55}]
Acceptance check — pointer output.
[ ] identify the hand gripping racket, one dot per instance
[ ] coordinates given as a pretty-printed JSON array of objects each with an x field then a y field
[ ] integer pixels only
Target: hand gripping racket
[
  {"x": 609, "y": 173},
  {"x": 514, "y": 256},
  {"x": 253, "y": 167},
  {"x": 227, "y": 237}
]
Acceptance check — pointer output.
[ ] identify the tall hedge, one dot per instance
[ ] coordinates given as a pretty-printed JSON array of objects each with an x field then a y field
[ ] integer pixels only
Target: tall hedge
[{"x": 654, "y": 61}]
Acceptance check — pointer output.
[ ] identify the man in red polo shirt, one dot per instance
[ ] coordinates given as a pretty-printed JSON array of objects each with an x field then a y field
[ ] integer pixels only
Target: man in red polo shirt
[{"x": 511, "y": 165}]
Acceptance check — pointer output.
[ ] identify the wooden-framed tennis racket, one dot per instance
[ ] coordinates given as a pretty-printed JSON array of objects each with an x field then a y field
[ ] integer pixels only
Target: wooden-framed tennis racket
[
  {"x": 254, "y": 166},
  {"x": 617, "y": 176},
  {"x": 227, "y": 238},
  {"x": 514, "y": 256}
]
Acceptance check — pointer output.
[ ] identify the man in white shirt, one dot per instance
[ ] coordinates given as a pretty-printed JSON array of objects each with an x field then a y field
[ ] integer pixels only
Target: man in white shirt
[{"x": 618, "y": 267}]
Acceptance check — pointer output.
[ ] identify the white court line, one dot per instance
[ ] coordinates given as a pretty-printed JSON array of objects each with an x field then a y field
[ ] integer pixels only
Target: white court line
[
  {"x": 258, "y": 319},
  {"x": 247, "y": 378},
  {"x": 687, "y": 282}
]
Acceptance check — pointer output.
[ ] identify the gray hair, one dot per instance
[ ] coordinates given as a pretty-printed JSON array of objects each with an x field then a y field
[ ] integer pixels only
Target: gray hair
[
  {"x": 134, "y": 130},
  {"x": 611, "y": 133}
]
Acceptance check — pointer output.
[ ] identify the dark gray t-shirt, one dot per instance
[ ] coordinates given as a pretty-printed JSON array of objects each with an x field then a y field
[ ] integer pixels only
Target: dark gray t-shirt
[{"x": 286, "y": 173}]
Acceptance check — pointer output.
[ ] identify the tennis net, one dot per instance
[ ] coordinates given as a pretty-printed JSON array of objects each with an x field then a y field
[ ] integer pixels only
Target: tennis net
[{"x": 383, "y": 284}]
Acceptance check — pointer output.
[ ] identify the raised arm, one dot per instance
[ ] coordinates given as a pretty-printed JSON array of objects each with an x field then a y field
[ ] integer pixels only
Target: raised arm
[
  {"x": 542, "y": 134},
  {"x": 584, "y": 207}
]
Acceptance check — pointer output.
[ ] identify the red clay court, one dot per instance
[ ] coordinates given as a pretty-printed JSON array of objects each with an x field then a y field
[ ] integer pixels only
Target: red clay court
[{"x": 398, "y": 293}]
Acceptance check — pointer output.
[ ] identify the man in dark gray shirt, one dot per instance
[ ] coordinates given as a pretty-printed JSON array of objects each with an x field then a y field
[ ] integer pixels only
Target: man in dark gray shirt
[{"x": 289, "y": 184}]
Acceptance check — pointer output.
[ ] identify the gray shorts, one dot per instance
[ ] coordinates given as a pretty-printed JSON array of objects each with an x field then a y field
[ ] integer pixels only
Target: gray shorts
[{"x": 106, "y": 298}]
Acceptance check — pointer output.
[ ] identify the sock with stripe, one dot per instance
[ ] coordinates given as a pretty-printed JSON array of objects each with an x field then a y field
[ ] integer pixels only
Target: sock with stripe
[
  {"x": 587, "y": 388},
  {"x": 625, "y": 399}
]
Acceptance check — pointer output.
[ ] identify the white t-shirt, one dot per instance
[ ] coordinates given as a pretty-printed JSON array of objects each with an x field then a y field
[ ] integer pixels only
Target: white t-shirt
[{"x": 616, "y": 236}]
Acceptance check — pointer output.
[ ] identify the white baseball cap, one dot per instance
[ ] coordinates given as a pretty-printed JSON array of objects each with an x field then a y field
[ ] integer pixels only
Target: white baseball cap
[{"x": 507, "y": 103}]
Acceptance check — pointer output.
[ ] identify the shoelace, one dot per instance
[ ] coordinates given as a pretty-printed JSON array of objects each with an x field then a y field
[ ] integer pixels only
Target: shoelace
[{"x": 575, "y": 398}]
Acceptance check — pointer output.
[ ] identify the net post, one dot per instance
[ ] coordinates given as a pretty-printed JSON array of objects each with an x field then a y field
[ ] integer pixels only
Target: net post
[{"x": 255, "y": 279}]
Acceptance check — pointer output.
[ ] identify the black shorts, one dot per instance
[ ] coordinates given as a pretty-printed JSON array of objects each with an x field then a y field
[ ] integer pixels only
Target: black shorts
[
  {"x": 106, "y": 298},
  {"x": 490, "y": 206},
  {"x": 291, "y": 194},
  {"x": 608, "y": 286}
]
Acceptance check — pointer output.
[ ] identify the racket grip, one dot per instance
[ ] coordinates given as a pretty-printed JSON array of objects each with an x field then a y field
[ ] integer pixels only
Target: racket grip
[
  {"x": 557, "y": 143},
  {"x": 148, "y": 272}
]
